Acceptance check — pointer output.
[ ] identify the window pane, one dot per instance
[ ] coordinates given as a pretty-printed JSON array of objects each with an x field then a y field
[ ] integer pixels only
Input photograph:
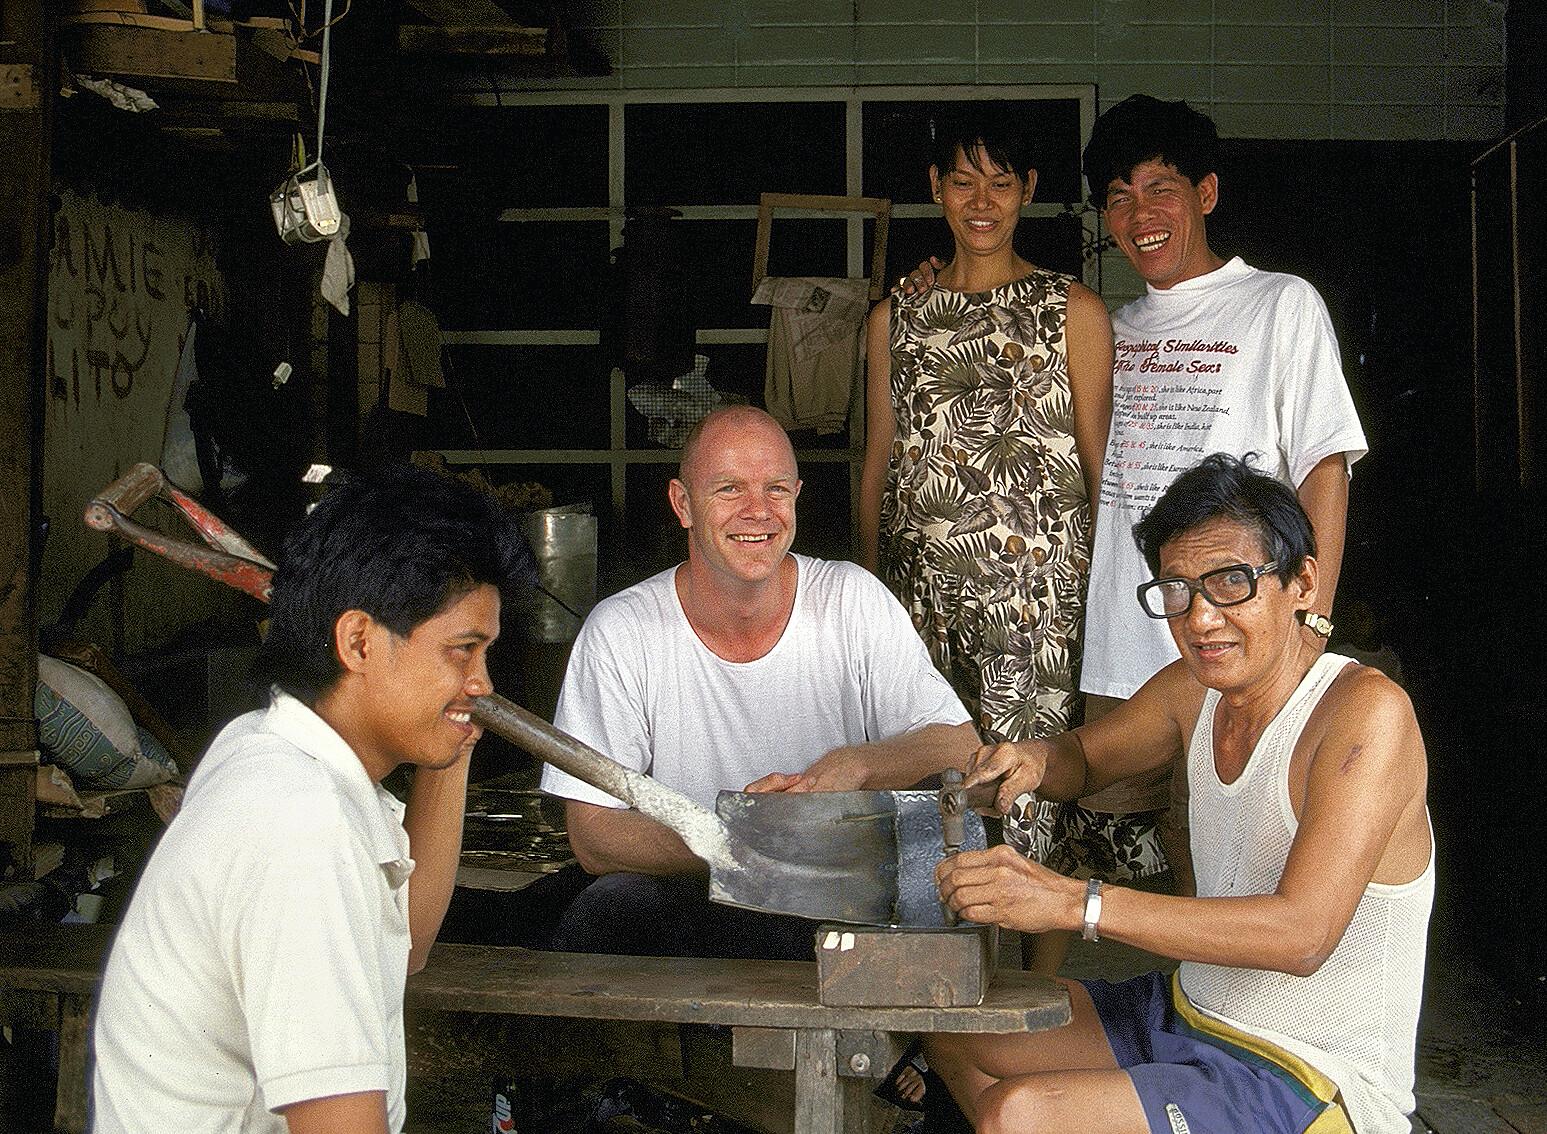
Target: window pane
[
  {"x": 541, "y": 397},
  {"x": 823, "y": 511},
  {"x": 513, "y": 157},
  {"x": 897, "y": 144},
  {"x": 519, "y": 275},
  {"x": 718, "y": 259},
  {"x": 728, "y": 153}
]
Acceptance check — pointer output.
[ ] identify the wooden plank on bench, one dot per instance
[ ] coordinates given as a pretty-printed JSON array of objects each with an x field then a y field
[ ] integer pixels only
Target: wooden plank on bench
[{"x": 770, "y": 994}]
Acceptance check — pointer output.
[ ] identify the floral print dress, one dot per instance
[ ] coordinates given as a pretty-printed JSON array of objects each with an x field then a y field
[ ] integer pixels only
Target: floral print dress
[{"x": 985, "y": 523}]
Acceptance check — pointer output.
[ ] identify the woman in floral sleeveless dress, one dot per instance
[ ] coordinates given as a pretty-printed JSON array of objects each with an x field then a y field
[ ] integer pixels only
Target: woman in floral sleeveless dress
[{"x": 988, "y": 401}]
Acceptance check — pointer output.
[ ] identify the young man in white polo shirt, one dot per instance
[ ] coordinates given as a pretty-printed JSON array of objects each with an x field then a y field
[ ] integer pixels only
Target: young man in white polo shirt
[{"x": 256, "y": 984}]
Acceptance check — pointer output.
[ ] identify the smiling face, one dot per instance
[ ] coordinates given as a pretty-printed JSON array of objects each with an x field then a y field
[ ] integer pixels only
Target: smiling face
[
  {"x": 420, "y": 688},
  {"x": 736, "y": 498},
  {"x": 981, "y": 201},
  {"x": 1156, "y": 217},
  {"x": 1235, "y": 647}
]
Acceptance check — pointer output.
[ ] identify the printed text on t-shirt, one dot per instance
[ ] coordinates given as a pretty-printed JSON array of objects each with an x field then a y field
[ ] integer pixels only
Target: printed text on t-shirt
[{"x": 1163, "y": 405}]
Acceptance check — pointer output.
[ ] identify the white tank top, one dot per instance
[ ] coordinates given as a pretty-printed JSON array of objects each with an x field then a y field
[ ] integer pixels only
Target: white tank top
[{"x": 1356, "y": 1018}]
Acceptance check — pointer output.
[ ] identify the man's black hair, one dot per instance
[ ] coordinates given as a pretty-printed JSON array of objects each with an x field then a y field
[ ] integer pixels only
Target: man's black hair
[
  {"x": 1222, "y": 487},
  {"x": 978, "y": 132},
  {"x": 400, "y": 544},
  {"x": 1142, "y": 128}
]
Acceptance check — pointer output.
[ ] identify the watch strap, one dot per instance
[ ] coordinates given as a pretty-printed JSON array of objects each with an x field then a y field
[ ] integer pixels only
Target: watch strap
[{"x": 1092, "y": 910}]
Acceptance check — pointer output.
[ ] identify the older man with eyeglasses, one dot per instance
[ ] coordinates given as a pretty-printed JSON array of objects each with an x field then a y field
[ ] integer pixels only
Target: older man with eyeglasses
[{"x": 1295, "y": 1008}]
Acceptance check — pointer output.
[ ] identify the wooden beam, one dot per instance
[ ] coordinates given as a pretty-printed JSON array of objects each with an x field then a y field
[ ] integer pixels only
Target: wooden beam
[
  {"x": 282, "y": 46},
  {"x": 161, "y": 23},
  {"x": 153, "y": 52},
  {"x": 195, "y": 112},
  {"x": 506, "y": 40},
  {"x": 462, "y": 11}
]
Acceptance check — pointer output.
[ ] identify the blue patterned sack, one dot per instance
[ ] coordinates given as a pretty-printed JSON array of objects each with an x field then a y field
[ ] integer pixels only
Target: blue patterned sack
[{"x": 86, "y": 729}]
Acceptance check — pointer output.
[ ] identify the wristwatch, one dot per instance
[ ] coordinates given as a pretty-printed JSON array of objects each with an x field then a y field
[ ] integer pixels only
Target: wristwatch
[
  {"x": 1317, "y": 623},
  {"x": 1092, "y": 910}
]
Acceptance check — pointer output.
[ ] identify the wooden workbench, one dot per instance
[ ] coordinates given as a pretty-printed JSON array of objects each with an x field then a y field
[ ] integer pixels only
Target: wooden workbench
[
  {"x": 771, "y": 1007},
  {"x": 49, "y": 975}
]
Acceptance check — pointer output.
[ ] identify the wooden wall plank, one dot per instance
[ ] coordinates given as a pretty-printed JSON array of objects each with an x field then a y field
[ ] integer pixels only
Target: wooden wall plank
[
  {"x": 153, "y": 52},
  {"x": 26, "y": 123}
]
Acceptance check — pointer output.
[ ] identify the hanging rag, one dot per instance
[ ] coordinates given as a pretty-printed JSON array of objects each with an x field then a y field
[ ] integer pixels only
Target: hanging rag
[
  {"x": 338, "y": 270},
  {"x": 179, "y": 452},
  {"x": 815, "y": 346},
  {"x": 411, "y": 356},
  {"x": 419, "y": 252}
]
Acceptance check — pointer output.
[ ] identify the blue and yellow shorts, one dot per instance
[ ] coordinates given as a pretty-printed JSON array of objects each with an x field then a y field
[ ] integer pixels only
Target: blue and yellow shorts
[{"x": 1195, "y": 1075}]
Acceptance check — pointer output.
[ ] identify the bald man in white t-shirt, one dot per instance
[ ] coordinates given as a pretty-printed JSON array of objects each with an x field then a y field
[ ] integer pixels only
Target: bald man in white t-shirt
[{"x": 745, "y": 667}]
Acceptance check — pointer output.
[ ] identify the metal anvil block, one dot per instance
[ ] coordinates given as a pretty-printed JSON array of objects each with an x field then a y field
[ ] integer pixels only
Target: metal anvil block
[{"x": 879, "y": 967}]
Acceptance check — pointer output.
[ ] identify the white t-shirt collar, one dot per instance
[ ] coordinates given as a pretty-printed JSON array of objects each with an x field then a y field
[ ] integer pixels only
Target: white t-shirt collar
[{"x": 1224, "y": 275}]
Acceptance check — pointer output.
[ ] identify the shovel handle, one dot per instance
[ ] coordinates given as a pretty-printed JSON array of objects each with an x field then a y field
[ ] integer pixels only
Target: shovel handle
[
  {"x": 124, "y": 495},
  {"x": 701, "y": 830}
]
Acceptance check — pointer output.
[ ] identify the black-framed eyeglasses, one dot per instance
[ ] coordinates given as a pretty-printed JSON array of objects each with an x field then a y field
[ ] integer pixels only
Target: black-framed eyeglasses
[{"x": 1228, "y": 586}]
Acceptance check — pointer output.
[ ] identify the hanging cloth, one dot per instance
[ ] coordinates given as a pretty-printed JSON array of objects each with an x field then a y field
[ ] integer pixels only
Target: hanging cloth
[{"x": 815, "y": 345}]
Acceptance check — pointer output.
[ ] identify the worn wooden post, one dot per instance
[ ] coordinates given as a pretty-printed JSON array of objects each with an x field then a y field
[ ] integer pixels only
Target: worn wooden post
[
  {"x": 819, "y": 1096},
  {"x": 28, "y": 82}
]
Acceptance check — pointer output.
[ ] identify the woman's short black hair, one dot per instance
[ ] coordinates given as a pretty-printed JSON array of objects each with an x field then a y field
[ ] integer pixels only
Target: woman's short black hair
[
  {"x": 1222, "y": 487},
  {"x": 977, "y": 130},
  {"x": 1142, "y": 128},
  {"x": 400, "y": 544}
]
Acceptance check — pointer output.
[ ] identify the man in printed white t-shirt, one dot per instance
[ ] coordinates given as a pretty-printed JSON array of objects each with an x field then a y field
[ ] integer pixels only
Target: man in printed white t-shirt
[
  {"x": 744, "y": 667},
  {"x": 1215, "y": 357}
]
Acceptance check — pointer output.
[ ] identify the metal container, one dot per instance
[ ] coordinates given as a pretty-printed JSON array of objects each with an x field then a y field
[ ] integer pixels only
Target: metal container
[{"x": 564, "y": 543}]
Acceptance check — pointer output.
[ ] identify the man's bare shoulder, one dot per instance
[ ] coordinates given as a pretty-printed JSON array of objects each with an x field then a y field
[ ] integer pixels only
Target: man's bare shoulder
[
  {"x": 1164, "y": 710},
  {"x": 1175, "y": 690},
  {"x": 1365, "y": 711},
  {"x": 1364, "y": 693}
]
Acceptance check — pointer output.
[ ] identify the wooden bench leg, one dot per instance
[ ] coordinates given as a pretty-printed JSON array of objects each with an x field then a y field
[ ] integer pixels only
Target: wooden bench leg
[
  {"x": 71, "y": 1090},
  {"x": 819, "y": 1096}
]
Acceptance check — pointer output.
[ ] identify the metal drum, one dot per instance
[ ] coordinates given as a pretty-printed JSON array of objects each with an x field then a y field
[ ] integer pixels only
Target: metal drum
[{"x": 564, "y": 543}]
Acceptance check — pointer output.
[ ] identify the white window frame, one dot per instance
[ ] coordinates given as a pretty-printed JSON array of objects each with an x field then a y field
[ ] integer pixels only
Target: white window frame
[{"x": 617, "y": 455}]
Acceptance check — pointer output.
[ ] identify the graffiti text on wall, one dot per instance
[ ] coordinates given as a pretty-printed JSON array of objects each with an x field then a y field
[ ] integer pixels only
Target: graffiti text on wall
[{"x": 110, "y": 287}]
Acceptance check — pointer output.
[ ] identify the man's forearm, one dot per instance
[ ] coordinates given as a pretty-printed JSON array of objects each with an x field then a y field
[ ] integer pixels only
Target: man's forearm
[
  {"x": 903, "y": 761},
  {"x": 433, "y": 821},
  {"x": 1324, "y": 496},
  {"x": 608, "y": 840},
  {"x": 1068, "y": 775},
  {"x": 1265, "y": 931}
]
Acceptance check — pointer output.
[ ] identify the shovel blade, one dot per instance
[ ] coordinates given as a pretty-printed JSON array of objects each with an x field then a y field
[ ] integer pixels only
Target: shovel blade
[{"x": 866, "y": 857}]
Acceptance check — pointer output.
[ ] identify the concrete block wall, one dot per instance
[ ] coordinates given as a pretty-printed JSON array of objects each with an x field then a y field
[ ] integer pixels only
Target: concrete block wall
[{"x": 1306, "y": 69}]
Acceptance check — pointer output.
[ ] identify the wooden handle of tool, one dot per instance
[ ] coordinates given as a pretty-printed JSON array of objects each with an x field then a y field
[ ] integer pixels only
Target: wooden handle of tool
[
  {"x": 123, "y": 496},
  {"x": 702, "y": 830}
]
